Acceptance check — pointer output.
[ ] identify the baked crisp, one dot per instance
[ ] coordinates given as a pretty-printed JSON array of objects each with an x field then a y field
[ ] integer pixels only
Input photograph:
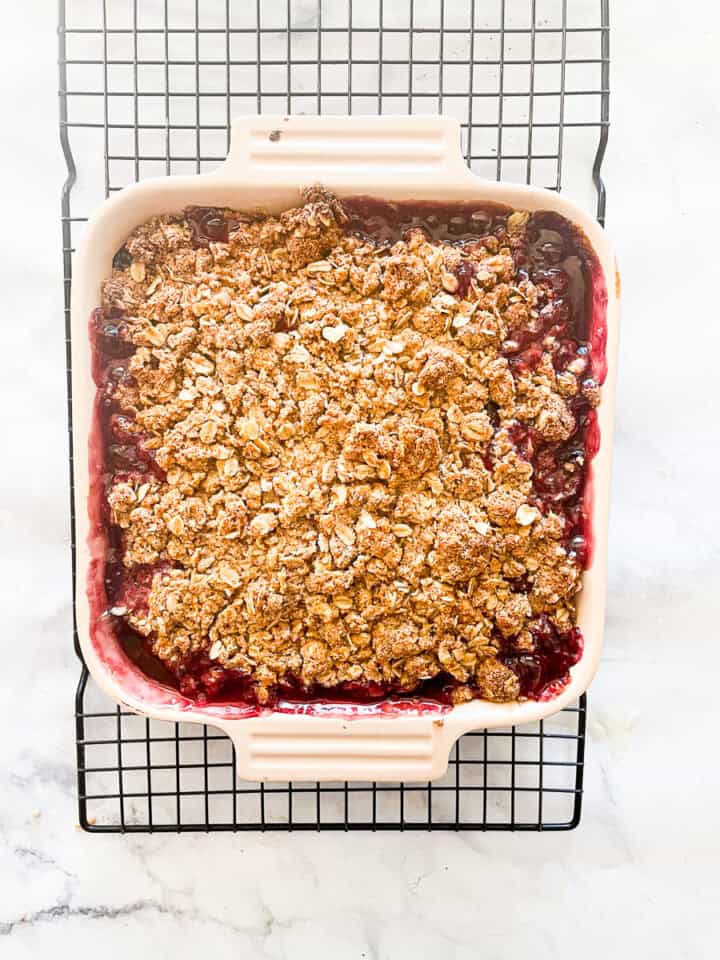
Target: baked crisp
[{"x": 346, "y": 456}]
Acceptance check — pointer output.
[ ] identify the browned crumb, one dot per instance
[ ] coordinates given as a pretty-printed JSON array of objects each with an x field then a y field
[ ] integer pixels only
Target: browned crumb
[{"x": 337, "y": 502}]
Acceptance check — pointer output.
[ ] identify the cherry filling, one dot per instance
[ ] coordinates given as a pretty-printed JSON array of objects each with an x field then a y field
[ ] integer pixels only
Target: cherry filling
[
  {"x": 460, "y": 224},
  {"x": 125, "y": 457},
  {"x": 201, "y": 679},
  {"x": 556, "y": 259},
  {"x": 543, "y": 672},
  {"x": 208, "y": 224},
  {"x": 112, "y": 334},
  {"x": 465, "y": 271}
]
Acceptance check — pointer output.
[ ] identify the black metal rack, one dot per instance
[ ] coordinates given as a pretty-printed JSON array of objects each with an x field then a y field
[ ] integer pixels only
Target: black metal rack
[{"x": 148, "y": 88}]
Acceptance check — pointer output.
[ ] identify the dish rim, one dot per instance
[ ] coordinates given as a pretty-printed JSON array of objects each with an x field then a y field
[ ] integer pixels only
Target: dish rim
[{"x": 391, "y": 158}]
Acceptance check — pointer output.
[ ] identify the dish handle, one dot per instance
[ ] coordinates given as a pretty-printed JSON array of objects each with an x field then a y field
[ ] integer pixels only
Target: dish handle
[
  {"x": 356, "y": 150},
  {"x": 290, "y": 747}
]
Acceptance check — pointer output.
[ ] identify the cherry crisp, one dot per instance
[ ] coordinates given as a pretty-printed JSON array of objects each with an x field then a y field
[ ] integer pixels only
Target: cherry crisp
[{"x": 345, "y": 450}]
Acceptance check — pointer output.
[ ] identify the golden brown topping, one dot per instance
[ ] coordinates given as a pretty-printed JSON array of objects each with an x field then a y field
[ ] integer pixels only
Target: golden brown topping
[
  {"x": 496, "y": 681},
  {"x": 440, "y": 366},
  {"x": 502, "y": 505},
  {"x": 463, "y": 543},
  {"x": 406, "y": 278},
  {"x": 512, "y": 614},
  {"x": 555, "y": 421},
  {"x": 341, "y": 502}
]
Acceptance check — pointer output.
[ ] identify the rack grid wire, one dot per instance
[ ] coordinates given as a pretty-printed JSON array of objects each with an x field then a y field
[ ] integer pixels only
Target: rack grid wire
[{"x": 148, "y": 88}]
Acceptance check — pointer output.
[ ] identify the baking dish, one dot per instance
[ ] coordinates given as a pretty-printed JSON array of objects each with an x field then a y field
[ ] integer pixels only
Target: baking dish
[{"x": 271, "y": 159}]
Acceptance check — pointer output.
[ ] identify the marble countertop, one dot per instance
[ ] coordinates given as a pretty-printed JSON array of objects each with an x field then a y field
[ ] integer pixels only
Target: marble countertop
[{"x": 639, "y": 877}]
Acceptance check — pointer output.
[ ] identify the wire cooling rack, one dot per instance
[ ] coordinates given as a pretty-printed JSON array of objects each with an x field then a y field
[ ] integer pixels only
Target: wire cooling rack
[{"x": 148, "y": 88}]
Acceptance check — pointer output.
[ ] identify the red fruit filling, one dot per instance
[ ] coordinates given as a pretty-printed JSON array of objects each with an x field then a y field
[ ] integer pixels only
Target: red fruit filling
[{"x": 557, "y": 261}]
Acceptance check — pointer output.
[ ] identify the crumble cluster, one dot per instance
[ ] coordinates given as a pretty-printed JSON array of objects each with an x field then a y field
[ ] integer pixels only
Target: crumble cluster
[{"x": 342, "y": 497}]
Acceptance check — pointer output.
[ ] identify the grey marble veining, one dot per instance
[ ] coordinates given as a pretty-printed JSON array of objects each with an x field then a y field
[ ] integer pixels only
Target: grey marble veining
[{"x": 639, "y": 878}]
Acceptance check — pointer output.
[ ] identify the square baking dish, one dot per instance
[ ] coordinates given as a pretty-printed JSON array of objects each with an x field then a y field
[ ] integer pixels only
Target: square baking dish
[{"x": 271, "y": 159}]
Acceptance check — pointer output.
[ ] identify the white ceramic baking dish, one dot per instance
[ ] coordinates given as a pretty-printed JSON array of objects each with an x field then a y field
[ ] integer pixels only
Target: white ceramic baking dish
[{"x": 270, "y": 160}]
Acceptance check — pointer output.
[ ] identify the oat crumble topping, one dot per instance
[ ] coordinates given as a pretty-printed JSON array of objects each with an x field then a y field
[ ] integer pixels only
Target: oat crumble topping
[{"x": 324, "y": 452}]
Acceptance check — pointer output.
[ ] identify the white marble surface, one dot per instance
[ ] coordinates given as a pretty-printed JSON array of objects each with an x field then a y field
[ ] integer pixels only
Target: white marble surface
[{"x": 639, "y": 878}]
